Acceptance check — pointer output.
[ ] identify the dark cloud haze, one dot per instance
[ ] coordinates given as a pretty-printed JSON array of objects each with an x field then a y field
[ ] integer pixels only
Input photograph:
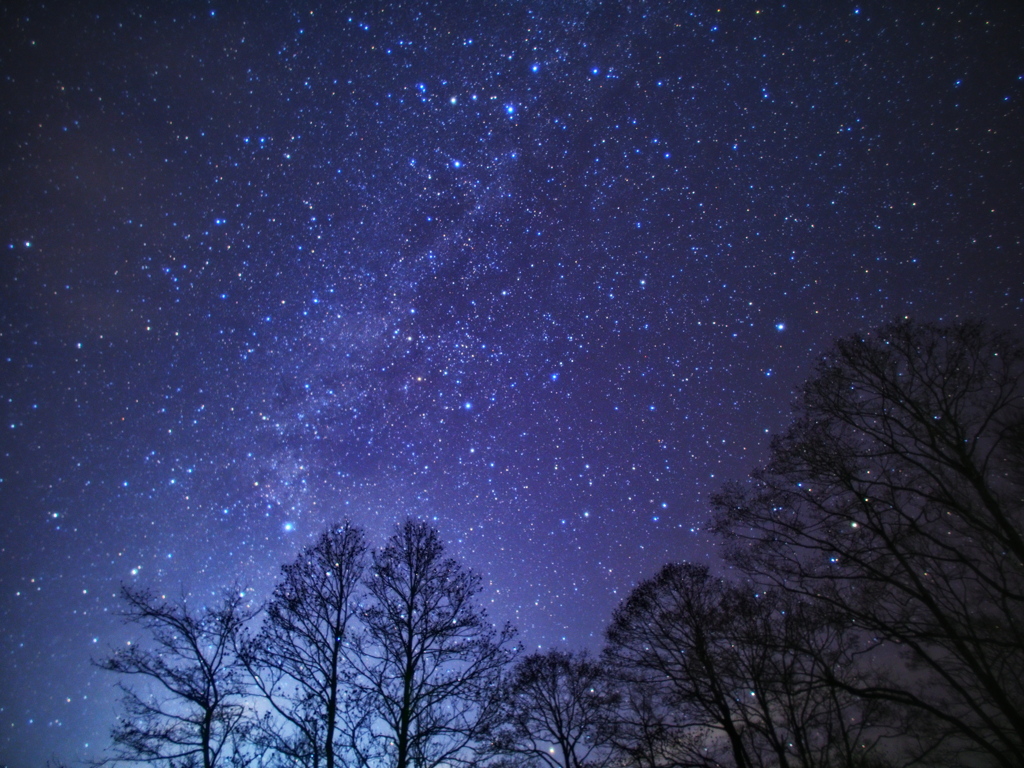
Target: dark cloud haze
[{"x": 544, "y": 274}]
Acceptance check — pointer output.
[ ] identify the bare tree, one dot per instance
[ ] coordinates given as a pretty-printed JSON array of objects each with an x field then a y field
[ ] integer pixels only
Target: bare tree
[
  {"x": 430, "y": 660},
  {"x": 666, "y": 641},
  {"x": 646, "y": 733},
  {"x": 715, "y": 674},
  {"x": 190, "y": 711},
  {"x": 300, "y": 661},
  {"x": 555, "y": 707},
  {"x": 894, "y": 501},
  {"x": 785, "y": 662}
]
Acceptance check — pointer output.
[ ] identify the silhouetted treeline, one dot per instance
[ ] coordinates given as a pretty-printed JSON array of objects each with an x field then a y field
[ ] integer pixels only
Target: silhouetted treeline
[{"x": 878, "y": 620}]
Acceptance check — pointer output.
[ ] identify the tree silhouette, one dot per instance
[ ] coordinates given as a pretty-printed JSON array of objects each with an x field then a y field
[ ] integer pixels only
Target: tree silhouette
[
  {"x": 667, "y": 641},
  {"x": 191, "y": 713},
  {"x": 300, "y": 661},
  {"x": 556, "y": 705},
  {"x": 894, "y": 502},
  {"x": 715, "y": 674},
  {"x": 790, "y": 666},
  {"x": 430, "y": 662},
  {"x": 645, "y": 733}
]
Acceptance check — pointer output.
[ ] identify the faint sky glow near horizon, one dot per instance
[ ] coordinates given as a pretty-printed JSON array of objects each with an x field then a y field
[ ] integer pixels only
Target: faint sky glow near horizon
[{"x": 544, "y": 276}]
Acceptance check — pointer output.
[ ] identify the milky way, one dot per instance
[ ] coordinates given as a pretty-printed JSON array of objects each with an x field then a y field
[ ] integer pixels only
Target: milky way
[{"x": 543, "y": 274}]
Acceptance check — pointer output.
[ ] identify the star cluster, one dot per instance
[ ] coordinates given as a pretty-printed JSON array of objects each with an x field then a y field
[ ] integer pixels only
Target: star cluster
[{"x": 544, "y": 274}]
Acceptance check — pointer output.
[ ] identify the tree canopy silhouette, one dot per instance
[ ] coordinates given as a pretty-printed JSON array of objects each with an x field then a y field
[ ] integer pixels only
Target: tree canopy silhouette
[
  {"x": 430, "y": 662},
  {"x": 894, "y": 502},
  {"x": 300, "y": 662},
  {"x": 191, "y": 710},
  {"x": 556, "y": 709}
]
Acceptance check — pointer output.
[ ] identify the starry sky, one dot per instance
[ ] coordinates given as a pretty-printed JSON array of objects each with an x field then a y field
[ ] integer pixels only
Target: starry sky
[{"x": 542, "y": 273}]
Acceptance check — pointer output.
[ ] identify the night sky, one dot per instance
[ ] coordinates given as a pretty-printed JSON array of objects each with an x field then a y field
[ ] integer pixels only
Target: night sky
[{"x": 543, "y": 274}]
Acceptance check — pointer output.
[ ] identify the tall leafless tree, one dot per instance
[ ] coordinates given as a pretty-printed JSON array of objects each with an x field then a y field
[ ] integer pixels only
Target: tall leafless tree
[
  {"x": 789, "y": 666},
  {"x": 431, "y": 662},
  {"x": 666, "y": 641},
  {"x": 300, "y": 661},
  {"x": 556, "y": 706},
  {"x": 895, "y": 502},
  {"x": 189, "y": 708},
  {"x": 719, "y": 675}
]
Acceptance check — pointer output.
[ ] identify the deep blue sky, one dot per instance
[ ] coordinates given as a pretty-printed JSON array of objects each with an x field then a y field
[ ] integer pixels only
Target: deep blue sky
[{"x": 543, "y": 273}]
